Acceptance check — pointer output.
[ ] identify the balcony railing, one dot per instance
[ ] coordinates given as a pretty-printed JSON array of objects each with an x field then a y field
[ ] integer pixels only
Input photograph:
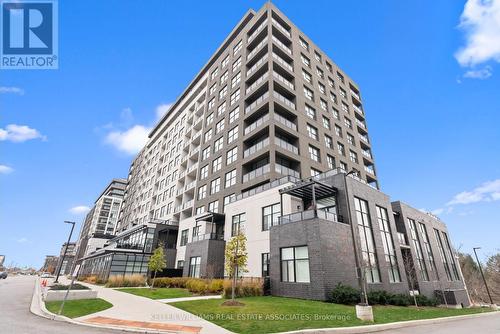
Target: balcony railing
[
  {"x": 254, "y": 104},
  {"x": 259, "y": 29},
  {"x": 286, "y": 171},
  {"x": 284, "y": 100},
  {"x": 257, "y": 147},
  {"x": 256, "y": 173},
  {"x": 282, "y": 45},
  {"x": 307, "y": 215},
  {"x": 282, "y": 62},
  {"x": 361, "y": 124},
  {"x": 257, "y": 82},
  {"x": 284, "y": 81},
  {"x": 285, "y": 122},
  {"x": 363, "y": 138},
  {"x": 256, "y": 48},
  {"x": 264, "y": 187},
  {"x": 256, "y": 124},
  {"x": 402, "y": 239},
  {"x": 280, "y": 27},
  {"x": 367, "y": 154},
  {"x": 370, "y": 170},
  {"x": 356, "y": 95},
  {"x": 208, "y": 236},
  {"x": 256, "y": 65},
  {"x": 358, "y": 109},
  {"x": 286, "y": 145}
]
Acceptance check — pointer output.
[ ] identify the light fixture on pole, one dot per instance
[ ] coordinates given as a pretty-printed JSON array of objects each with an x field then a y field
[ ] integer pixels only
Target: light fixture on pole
[
  {"x": 65, "y": 249},
  {"x": 482, "y": 274}
]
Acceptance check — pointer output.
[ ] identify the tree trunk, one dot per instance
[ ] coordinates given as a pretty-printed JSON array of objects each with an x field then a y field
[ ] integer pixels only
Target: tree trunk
[
  {"x": 154, "y": 278},
  {"x": 234, "y": 282}
]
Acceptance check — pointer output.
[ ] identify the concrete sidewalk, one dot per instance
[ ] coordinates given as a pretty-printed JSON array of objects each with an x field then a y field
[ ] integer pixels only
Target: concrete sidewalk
[
  {"x": 140, "y": 312},
  {"x": 187, "y": 299}
]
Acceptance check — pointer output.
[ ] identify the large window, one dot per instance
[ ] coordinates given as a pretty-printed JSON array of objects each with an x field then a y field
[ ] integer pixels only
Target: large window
[
  {"x": 428, "y": 251},
  {"x": 270, "y": 216},
  {"x": 443, "y": 255},
  {"x": 418, "y": 250},
  {"x": 194, "y": 266},
  {"x": 295, "y": 264},
  {"x": 238, "y": 224},
  {"x": 388, "y": 243},
  {"x": 449, "y": 252},
  {"x": 369, "y": 257},
  {"x": 265, "y": 264},
  {"x": 184, "y": 237}
]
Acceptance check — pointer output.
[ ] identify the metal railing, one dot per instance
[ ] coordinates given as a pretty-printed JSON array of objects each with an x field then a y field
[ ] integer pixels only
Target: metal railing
[
  {"x": 307, "y": 215},
  {"x": 208, "y": 236},
  {"x": 402, "y": 239},
  {"x": 257, "y": 82},
  {"x": 283, "y": 80},
  {"x": 285, "y": 122},
  {"x": 283, "y": 29},
  {"x": 286, "y": 171},
  {"x": 282, "y": 45},
  {"x": 256, "y": 124},
  {"x": 282, "y": 62},
  {"x": 286, "y": 145},
  {"x": 256, "y": 173},
  {"x": 370, "y": 170},
  {"x": 256, "y": 48},
  {"x": 254, "y": 104},
  {"x": 358, "y": 109},
  {"x": 361, "y": 124},
  {"x": 257, "y": 147},
  {"x": 259, "y": 29},
  {"x": 264, "y": 187},
  {"x": 367, "y": 154},
  {"x": 355, "y": 95},
  {"x": 284, "y": 100},
  {"x": 256, "y": 65},
  {"x": 363, "y": 138}
]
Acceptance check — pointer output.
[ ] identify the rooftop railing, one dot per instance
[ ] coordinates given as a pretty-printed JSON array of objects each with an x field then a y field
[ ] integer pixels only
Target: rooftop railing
[
  {"x": 307, "y": 215},
  {"x": 264, "y": 187},
  {"x": 208, "y": 236}
]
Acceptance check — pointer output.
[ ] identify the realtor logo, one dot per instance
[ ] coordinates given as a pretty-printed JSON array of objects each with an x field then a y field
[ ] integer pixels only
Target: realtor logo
[{"x": 29, "y": 34}]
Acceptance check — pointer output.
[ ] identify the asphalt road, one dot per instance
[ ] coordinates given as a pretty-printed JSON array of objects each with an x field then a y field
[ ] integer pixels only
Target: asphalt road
[{"x": 16, "y": 318}]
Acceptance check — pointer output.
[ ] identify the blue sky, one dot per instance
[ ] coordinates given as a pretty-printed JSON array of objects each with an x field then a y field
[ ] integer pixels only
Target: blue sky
[{"x": 428, "y": 72}]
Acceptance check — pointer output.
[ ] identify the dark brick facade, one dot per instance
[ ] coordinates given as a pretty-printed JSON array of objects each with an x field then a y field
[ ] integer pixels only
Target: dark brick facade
[{"x": 212, "y": 257}]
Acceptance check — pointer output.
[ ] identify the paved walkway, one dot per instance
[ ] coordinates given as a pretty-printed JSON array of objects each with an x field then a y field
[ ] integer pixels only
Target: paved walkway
[
  {"x": 186, "y": 299},
  {"x": 136, "y": 311}
]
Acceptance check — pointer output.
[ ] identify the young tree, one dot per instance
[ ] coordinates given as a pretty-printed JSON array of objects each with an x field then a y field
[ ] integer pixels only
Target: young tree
[
  {"x": 157, "y": 262},
  {"x": 411, "y": 274},
  {"x": 236, "y": 258}
]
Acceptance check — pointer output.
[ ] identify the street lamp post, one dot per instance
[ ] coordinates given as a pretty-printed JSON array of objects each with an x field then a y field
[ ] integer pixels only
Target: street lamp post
[
  {"x": 482, "y": 274},
  {"x": 65, "y": 249},
  {"x": 359, "y": 269}
]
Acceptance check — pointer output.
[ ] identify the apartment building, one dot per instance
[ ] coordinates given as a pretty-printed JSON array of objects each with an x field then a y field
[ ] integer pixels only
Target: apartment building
[
  {"x": 259, "y": 143},
  {"x": 68, "y": 251},
  {"x": 100, "y": 222}
]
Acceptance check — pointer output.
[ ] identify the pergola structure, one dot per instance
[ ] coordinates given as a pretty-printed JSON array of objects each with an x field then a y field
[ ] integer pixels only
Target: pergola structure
[{"x": 309, "y": 190}]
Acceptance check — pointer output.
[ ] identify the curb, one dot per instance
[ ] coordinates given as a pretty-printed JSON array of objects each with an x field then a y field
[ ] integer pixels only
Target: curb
[
  {"x": 38, "y": 308},
  {"x": 392, "y": 325}
]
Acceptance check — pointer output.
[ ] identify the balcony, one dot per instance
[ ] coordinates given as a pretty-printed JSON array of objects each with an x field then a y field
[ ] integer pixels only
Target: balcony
[
  {"x": 402, "y": 240},
  {"x": 361, "y": 124},
  {"x": 282, "y": 62},
  {"x": 282, "y": 45},
  {"x": 208, "y": 236},
  {"x": 358, "y": 109},
  {"x": 370, "y": 170},
  {"x": 257, "y": 82},
  {"x": 284, "y": 100},
  {"x": 256, "y": 173},
  {"x": 284, "y": 81},
  {"x": 307, "y": 215},
  {"x": 256, "y": 124},
  {"x": 264, "y": 187},
  {"x": 286, "y": 171},
  {"x": 367, "y": 154},
  {"x": 280, "y": 27},
  {"x": 356, "y": 95},
  {"x": 256, "y": 65},
  {"x": 184, "y": 206},
  {"x": 257, "y": 147},
  {"x": 256, "y": 48},
  {"x": 285, "y": 122},
  {"x": 255, "y": 103},
  {"x": 286, "y": 145},
  {"x": 363, "y": 138},
  {"x": 192, "y": 168},
  {"x": 259, "y": 29}
]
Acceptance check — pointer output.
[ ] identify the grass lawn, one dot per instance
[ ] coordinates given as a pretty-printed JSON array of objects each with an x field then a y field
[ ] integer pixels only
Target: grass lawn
[
  {"x": 276, "y": 314},
  {"x": 160, "y": 293},
  {"x": 78, "y": 308}
]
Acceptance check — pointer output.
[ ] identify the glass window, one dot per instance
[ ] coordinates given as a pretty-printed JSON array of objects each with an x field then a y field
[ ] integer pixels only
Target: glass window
[
  {"x": 184, "y": 237},
  {"x": 231, "y": 156},
  {"x": 265, "y": 264},
  {"x": 230, "y": 178},
  {"x": 216, "y": 164},
  {"x": 369, "y": 257},
  {"x": 233, "y": 115},
  {"x": 194, "y": 266},
  {"x": 312, "y": 132},
  {"x": 418, "y": 250},
  {"x": 428, "y": 251},
  {"x": 314, "y": 153},
  {"x": 270, "y": 216},
  {"x": 215, "y": 186},
  {"x": 232, "y": 135},
  {"x": 388, "y": 244},
  {"x": 238, "y": 224},
  {"x": 295, "y": 264}
]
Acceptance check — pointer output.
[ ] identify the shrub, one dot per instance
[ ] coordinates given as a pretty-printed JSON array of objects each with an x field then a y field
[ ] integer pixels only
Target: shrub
[
  {"x": 345, "y": 294},
  {"x": 216, "y": 286},
  {"x": 178, "y": 282},
  {"x": 135, "y": 280},
  {"x": 162, "y": 282},
  {"x": 197, "y": 286},
  {"x": 75, "y": 286},
  {"x": 399, "y": 299},
  {"x": 378, "y": 297},
  {"x": 244, "y": 288},
  {"x": 426, "y": 301}
]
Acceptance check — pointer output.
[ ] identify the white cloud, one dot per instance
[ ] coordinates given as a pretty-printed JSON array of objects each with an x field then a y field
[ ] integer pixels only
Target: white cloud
[
  {"x": 5, "y": 169},
  {"x": 480, "y": 21},
  {"x": 487, "y": 192},
  {"x": 130, "y": 141},
  {"x": 437, "y": 211},
  {"x": 22, "y": 240},
  {"x": 78, "y": 210},
  {"x": 19, "y": 133},
  {"x": 11, "y": 90},
  {"x": 162, "y": 110},
  {"x": 481, "y": 74}
]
